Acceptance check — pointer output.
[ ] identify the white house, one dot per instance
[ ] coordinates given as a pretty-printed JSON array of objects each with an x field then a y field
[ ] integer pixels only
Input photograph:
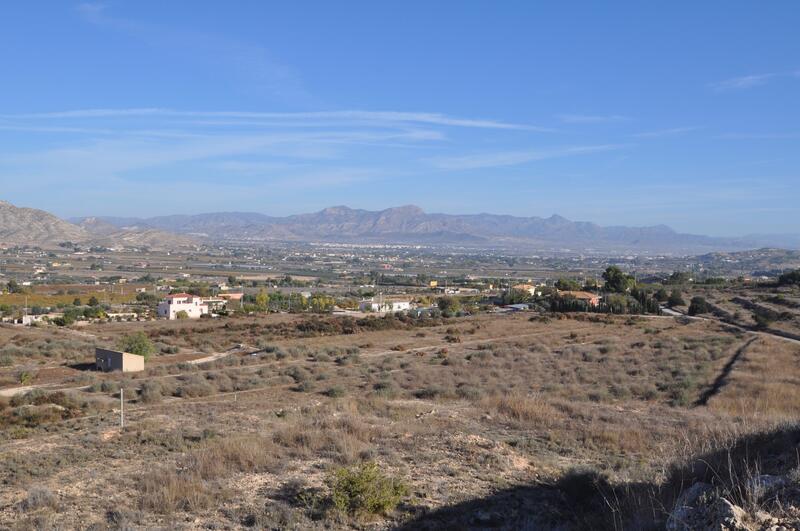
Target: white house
[
  {"x": 182, "y": 302},
  {"x": 384, "y": 305}
]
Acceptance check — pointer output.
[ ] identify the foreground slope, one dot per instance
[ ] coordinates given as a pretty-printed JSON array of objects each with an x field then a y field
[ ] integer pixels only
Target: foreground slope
[{"x": 515, "y": 422}]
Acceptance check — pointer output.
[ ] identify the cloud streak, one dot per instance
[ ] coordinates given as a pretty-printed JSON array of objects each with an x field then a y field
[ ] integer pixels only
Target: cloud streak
[
  {"x": 359, "y": 117},
  {"x": 513, "y": 158},
  {"x": 751, "y": 81},
  {"x": 666, "y": 132},
  {"x": 592, "y": 118}
]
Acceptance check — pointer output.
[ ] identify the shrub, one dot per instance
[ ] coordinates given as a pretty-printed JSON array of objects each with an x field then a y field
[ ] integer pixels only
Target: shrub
[
  {"x": 39, "y": 498},
  {"x": 385, "y": 389},
  {"x": 166, "y": 491},
  {"x": 151, "y": 392},
  {"x": 363, "y": 490},
  {"x": 25, "y": 377},
  {"x": 697, "y": 306},
  {"x": 109, "y": 387},
  {"x": 137, "y": 343},
  {"x": 335, "y": 392}
]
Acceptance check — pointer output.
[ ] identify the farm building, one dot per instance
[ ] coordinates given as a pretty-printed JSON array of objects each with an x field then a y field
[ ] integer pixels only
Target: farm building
[
  {"x": 384, "y": 305},
  {"x": 115, "y": 360}
]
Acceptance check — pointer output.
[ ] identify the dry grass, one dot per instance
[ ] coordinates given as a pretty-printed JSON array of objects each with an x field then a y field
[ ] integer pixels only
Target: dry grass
[
  {"x": 514, "y": 403},
  {"x": 166, "y": 491},
  {"x": 529, "y": 411}
]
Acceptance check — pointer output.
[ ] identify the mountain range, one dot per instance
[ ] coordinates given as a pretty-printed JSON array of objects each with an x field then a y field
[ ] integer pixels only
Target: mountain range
[
  {"x": 341, "y": 224},
  {"x": 411, "y": 225}
]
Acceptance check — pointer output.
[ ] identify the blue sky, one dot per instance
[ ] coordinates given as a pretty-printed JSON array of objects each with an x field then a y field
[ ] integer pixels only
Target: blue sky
[{"x": 635, "y": 113}]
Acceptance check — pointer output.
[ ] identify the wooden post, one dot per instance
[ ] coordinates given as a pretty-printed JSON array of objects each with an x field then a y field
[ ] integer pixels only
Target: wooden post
[{"x": 121, "y": 408}]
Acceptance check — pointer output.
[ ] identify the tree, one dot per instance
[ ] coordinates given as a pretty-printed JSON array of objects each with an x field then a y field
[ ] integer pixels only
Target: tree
[
  {"x": 137, "y": 343},
  {"x": 449, "y": 305},
  {"x": 591, "y": 284},
  {"x": 793, "y": 277},
  {"x": 679, "y": 277},
  {"x": 565, "y": 284},
  {"x": 93, "y": 301},
  {"x": 662, "y": 295},
  {"x": 14, "y": 287},
  {"x": 147, "y": 298},
  {"x": 321, "y": 303},
  {"x": 675, "y": 299},
  {"x": 698, "y": 305},
  {"x": 77, "y": 302},
  {"x": 94, "y": 312},
  {"x": 262, "y": 301},
  {"x": 181, "y": 315},
  {"x": 618, "y": 281}
]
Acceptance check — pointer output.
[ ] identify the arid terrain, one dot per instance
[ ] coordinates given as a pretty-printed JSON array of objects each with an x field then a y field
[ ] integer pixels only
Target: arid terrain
[{"x": 508, "y": 420}]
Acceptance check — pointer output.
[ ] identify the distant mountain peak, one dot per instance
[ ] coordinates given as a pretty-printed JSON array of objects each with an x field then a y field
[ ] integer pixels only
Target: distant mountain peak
[
  {"x": 336, "y": 210},
  {"x": 409, "y": 210}
]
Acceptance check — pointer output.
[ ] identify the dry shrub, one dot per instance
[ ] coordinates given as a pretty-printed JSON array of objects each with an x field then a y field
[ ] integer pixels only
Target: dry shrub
[
  {"x": 523, "y": 409},
  {"x": 39, "y": 498},
  {"x": 166, "y": 491},
  {"x": 342, "y": 438},
  {"x": 245, "y": 453}
]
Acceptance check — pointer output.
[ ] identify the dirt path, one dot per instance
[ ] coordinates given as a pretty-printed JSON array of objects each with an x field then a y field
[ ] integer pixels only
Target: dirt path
[
  {"x": 240, "y": 349},
  {"x": 138, "y": 412},
  {"x": 722, "y": 378},
  {"x": 764, "y": 333}
]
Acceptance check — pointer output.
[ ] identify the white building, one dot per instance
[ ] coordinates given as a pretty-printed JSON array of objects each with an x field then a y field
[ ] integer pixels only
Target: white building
[
  {"x": 182, "y": 302},
  {"x": 384, "y": 305}
]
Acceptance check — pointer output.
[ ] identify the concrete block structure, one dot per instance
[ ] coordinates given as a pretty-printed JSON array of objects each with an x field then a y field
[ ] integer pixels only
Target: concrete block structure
[{"x": 116, "y": 360}]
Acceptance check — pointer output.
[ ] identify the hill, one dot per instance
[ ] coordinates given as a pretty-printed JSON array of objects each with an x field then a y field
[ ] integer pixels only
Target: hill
[
  {"x": 29, "y": 226},
  {"x": 32, "y": 227}
]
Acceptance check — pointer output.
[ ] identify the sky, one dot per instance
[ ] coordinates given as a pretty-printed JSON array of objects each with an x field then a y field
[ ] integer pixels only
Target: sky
[{"x": 681, "y": 113}]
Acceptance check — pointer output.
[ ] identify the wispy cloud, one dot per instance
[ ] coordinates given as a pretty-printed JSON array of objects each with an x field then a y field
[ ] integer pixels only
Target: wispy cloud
[
  {"x": 666, "y": 132},
  {"x": 752, "y": 81},
  {"x": 760, "y": 136},
  {"x": 513, "y": 158},
  {"x": 93, "y": 147},
  {"x": 325, "y": 117},
  {"x": 592, "y": 118}
]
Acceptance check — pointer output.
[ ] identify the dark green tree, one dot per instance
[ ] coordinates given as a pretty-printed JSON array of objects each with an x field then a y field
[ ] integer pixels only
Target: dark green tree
[
  {"x": 566, "y": 284},
  {"x": 793, "y": 277},
  {"x": 675, "y": 299},
  {"x": 698, "y": 305},
  {"x": 618, "y": 281},
  {"x": 662, "y": 295}
]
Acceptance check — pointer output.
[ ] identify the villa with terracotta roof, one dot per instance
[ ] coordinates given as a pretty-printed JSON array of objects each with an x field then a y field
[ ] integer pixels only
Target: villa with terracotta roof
[{"x": 593, "y": 299}]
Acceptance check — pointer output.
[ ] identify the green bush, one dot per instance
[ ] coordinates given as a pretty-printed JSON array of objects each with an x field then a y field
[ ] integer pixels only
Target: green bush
[
  {"x": 137, "y": 343},
  {"x": 363, "y": 490}
]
